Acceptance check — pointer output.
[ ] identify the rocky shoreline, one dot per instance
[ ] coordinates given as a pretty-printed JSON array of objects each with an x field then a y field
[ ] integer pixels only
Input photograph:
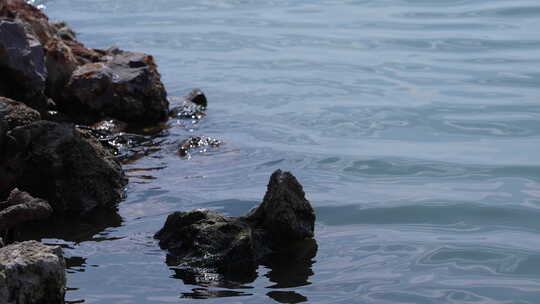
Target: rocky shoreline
[{"x": 64, "y": 110}]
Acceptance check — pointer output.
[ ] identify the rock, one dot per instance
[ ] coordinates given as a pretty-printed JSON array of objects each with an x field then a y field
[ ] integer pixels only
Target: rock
[
  {"x": 205, "y": 239},
  {"x": 12, "y": 114},
  {"x": 193, "y": 105},
  {"x": 16, "y": 114},
  {"x": 61, "y": 62},
  {"x": 125, "y": 86},
  {"x": 29, "y": 14},
  {"x": 22, "y": 66},
  {"x": 71, "y": 170},
  {"x": 285, "y": 213},
  {"x": 31, "y": 272},
  {"x": 63, "y": 30},
  {"x": 20, "y": 207},
  {"x": 196, "y": 142}
]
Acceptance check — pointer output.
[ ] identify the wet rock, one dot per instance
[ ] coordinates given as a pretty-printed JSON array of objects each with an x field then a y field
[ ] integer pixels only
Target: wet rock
[
  {"x": 285, "y": 214},
  {"x": 193, "y": 105},
  {"x": 20, "y": 207},
  {"x": 205, "y": 239},
  {"x": 71, "y": 170},
  {"x": 31, "y": 272},
  {"x": 22, "y": 66},
  {"x": 125, "y": 85},
  {"x": 185, "y": 146}
]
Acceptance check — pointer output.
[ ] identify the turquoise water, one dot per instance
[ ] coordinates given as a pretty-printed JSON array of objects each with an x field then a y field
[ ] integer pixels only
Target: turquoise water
[{"x": 414, "y": 126}]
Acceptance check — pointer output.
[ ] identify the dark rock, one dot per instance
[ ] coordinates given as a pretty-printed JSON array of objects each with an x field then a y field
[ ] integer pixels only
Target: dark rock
[
  {"x": 40, "y": 59},
  {"x": 29, "y": 14},
  {"x": 32, "y": 273},
  {"x": 285, "y": 213},
  {"x": 193, "y": 105},
  {"x": 16, "y": 114},
  {"x": 125, "y": 85},
  {"x": 197, "y": 97},
  {"x": 61, "y": 62},
  {"x": 209, "y": 240},
  {"x": 22, "y": 66},
  {"x": 71, "y": 170},
  {"x": 20, "y": 207},
  {"x": 12, "y": 114},
  {"x": 196, "y": 142}
]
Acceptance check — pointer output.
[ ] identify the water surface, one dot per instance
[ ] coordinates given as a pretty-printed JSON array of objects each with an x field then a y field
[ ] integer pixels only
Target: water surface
[{"x": 412, "y": 124}]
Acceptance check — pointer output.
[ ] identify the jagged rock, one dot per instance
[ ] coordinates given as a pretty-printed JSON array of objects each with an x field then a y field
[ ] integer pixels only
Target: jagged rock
[
  {"x": 63, "y": 30},
  {"x": 22, "y": 66},
  {"x": 29, "y": 14},
  {"x": 20, "y": 207},
  {"x": 32, "y": 273},
  {"x": 71, "y": 170},
  {"x": 124, "y": 85},
  {"x": 12, "y": 114},
  {"x": 206, "y": 239},
  {"x": 285, "y": 213},
  {"x": 193, "y": 105},
  {"x": 89, "y": 84},
  {"x": 196, "y": 142},
  {"x": 61, "y": 62},
  {"x": 16, "y": 114}
]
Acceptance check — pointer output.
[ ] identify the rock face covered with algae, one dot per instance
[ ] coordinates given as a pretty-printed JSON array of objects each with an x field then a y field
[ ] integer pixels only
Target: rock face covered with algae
[{"x": 206, "y": 239}]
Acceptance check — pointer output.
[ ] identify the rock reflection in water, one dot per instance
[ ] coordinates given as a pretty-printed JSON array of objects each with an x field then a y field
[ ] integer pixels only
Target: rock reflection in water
[
  {"x": 289, "y": 268},
  {"x": 292, "y": 267},
  {"x": 287, "y": 296},
  {"x": 72, "y": 229},
  {"x": 75, "y": 264}
]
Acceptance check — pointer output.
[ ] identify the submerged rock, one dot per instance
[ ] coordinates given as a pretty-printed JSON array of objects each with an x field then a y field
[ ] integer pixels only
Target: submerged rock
[
  {"x": 196, "y": 142},
  {"x": 193, "y": 105},
  {"x": 31, "y": 272},
  {"x": 54, "y": 161},
  {"x": 205, "y": 239}
]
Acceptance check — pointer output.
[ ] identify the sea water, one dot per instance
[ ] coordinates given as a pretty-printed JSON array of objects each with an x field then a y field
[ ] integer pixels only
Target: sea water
[{"x": 414, "y": 126}]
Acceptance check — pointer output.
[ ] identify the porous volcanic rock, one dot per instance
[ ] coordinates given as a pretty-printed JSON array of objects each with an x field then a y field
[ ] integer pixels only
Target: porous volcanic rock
[
  {"x": 32, "y": 273},
  {"x": 16, "y": 114},
  {"x": 125, "y": 86},
  {"x": 206, "y": 239},
  {"x": 70, "y": 169},
  {"x": 40, "y": 59}
]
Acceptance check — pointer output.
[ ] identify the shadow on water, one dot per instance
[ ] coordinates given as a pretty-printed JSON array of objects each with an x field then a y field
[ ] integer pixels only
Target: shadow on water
[
  {"x": 72, "y": 229},
  {"x": 289, "y": 268}
]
